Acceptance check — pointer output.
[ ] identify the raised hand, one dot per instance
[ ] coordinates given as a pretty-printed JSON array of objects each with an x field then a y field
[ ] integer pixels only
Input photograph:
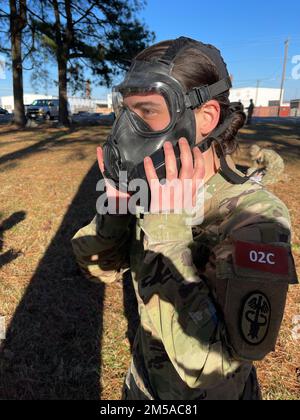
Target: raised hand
[{"x": 180, "y": 190}]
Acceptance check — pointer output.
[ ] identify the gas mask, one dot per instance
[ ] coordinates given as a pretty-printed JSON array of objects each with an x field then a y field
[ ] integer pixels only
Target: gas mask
[{"x": 149, "y": 90}]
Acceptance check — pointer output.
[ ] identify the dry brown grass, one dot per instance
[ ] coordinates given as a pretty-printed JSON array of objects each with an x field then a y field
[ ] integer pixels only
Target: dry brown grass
[{"x": 67, "y": 338}]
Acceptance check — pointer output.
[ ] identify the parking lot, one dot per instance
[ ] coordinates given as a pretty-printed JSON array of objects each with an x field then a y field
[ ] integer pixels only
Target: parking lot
[{"x": 84, "y": 118}]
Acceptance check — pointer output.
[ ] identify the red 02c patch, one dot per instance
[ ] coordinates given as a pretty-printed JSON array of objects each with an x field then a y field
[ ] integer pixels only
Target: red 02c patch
[{"x": 262, "y": 257}]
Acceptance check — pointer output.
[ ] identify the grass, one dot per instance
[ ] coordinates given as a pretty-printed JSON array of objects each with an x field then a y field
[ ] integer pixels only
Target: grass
[{"x": 67, "y": 338}]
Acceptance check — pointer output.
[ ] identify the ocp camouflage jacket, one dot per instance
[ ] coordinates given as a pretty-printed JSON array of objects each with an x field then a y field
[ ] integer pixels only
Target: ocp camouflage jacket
[{"x": 211, "y": 293}]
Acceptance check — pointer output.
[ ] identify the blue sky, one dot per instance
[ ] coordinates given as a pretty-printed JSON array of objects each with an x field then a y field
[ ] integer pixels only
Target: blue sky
[{"x": 250, "y": 35}]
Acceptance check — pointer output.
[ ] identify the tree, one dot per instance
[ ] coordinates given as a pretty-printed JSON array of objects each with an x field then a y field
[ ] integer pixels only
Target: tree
[
  {"x": 101, "y": 35},
  {"x": 18, "y": 23},
  {"x": 16, "y": 20}
]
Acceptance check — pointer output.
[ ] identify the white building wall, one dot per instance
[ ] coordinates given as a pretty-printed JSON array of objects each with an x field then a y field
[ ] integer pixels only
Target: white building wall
[
  {"x": 109, "y": 100},
  {"x": 7, "y": 102},
  {"x": 76, "y": 104},
  {"x": 260, "y": 96},
  {"x": 82, "y": 104}
]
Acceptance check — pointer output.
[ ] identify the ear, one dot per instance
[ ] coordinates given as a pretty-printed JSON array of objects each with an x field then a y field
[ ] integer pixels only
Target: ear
[{"x": 207, "y": 117}]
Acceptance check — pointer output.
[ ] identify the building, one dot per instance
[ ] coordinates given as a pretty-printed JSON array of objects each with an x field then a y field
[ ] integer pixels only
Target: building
[
  {"x": 76, "y": 104},
  {"x": 261, "y": 96},
  {"x": 82, "y": 105},
  {"x": 109, "y": 100},
  {"x": 295, "y": 108}
]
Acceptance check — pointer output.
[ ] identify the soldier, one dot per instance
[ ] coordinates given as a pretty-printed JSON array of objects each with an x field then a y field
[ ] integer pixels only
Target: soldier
[
  {"x": 211, "y": 287},
  {"x": 267, "y": 164},
  {"x": 250, "y": 109}
]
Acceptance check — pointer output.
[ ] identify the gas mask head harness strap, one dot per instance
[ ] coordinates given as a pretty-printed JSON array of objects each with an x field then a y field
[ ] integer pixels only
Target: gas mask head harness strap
[{"x": 132, "y": 139}]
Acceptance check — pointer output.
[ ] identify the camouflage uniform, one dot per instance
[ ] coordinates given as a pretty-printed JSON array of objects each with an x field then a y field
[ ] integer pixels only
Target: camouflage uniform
[
  {"x": 189, "y": 288},
  {"x": 272, "y": 166}
]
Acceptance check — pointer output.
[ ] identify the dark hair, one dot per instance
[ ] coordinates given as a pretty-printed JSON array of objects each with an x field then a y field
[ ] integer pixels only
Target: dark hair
[{"x": 192, "y": 68}]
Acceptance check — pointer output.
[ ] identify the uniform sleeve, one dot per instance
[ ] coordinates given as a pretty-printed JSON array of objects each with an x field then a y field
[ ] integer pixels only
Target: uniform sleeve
[
  {"x": 274, "y": 167},
  {"x": 211, "y": 321},
  {"x": 178, "y": 303},
  {"x": 250, "y": 271},
  {"x": 101, "y": 248}
]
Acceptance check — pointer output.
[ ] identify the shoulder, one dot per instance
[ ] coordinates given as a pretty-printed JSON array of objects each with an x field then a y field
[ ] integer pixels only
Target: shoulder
[
  {"x": 256, "y": 220},
  {"x": 252, "y": 205},
  {"x": 271, "y": 154}
]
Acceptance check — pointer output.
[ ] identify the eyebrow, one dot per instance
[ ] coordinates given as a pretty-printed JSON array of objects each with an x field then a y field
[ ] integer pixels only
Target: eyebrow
[{"x": 146, "y": 103}]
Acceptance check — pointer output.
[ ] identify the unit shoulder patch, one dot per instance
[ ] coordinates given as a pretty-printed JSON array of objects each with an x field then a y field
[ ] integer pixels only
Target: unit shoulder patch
[
  {"x": 262, "y": 257},
  {"x": 255, "y": 318}
]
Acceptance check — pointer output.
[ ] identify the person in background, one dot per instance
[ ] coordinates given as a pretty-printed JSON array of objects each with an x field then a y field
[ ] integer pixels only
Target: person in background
[
  {"x": 250, "y": 109},
  {"x": 267, "y": 165}
]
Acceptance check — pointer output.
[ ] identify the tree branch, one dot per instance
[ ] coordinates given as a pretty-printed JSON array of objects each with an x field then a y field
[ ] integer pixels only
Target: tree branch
[
  {"x": 5, "y": 14},
  {"x": 85, "y": 14},
  {"x": 37, "y": 16}
]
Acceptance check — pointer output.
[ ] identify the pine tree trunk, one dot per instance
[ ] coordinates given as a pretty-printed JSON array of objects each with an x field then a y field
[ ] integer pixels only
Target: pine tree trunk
[
  {"x": 62, "y": 90},
  {"x": 61, "y": 56},
  {"x": 17, "y": 68}
]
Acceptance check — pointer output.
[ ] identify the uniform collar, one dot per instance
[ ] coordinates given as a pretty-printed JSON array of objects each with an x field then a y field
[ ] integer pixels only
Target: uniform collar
[{"x": 212, "y": 194}]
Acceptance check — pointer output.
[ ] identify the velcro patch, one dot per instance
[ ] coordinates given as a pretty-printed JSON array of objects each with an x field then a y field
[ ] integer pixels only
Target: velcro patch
[{"x": 262, "y": 257}]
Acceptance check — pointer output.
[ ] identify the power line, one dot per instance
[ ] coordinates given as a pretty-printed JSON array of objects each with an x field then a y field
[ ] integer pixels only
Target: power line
[
  {"x": 252, "y": 59},
  {"x": 255, "y": 42}
]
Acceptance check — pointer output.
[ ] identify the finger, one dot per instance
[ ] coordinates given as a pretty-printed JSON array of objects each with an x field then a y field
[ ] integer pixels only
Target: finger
[
  {"x": 199, "y": 168},
  {"x": 170, "y": 160},
  {"x": 150, "y": 170},
  {"x": 100, "y": 159},
  {"x": 186, "y": 157},
  {"x": 199, "y": 173}
]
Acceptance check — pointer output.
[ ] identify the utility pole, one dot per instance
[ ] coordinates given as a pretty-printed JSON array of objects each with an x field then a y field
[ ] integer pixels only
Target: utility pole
[
  {"x": 286, "y": 50},
  {"x": 257, "y": 89}
]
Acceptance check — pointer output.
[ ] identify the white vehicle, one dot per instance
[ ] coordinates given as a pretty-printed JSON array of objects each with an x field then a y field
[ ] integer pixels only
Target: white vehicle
[{"x": 47, "y": 109}]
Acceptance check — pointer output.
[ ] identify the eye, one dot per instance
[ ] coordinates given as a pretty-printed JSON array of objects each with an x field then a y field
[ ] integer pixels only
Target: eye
[{"x": 148, "y": 112}]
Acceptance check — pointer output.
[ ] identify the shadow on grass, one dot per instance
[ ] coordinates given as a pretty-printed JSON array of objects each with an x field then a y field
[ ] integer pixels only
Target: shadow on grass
[
  {"x": 53, "y": 344},
  {"x": 34, "y": 148},
  {"x": 5, "y": 225},
  {"x": 53, "y": 140}
]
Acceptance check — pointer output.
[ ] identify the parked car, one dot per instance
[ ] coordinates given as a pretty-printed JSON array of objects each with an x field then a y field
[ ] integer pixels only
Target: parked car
[
  {"x": 44, "y": 108},
  {"x": 3, "y": 111},
  {"x": 107, "y": 119}
]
